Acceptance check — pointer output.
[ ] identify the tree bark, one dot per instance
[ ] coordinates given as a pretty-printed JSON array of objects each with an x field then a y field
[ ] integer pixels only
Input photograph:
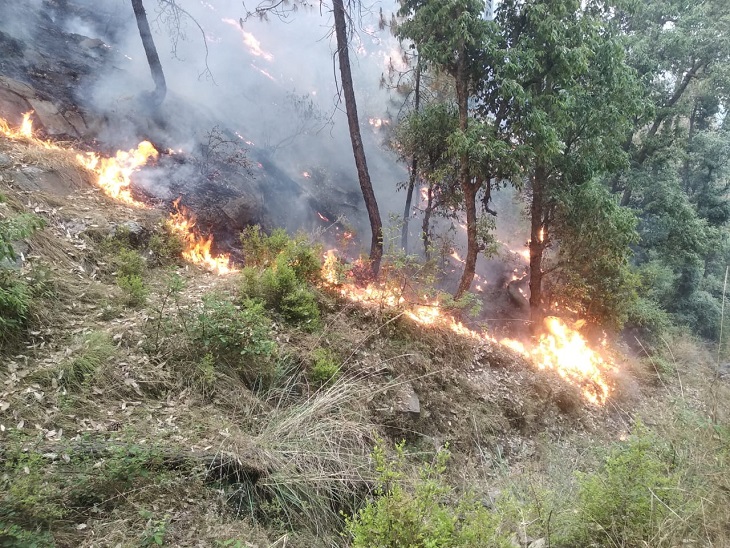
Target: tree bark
[
  {"x": 158, "y": 77},
  {"x": 426, "y": 226},
  {"x": 414, "y": 166},
  {"x": 371, "y": 204},
  {"x": 469, "y": 190},
  {"x": 537, "y": 245}
]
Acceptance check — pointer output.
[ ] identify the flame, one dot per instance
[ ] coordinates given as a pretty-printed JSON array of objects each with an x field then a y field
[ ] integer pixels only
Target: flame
[
  {"x": 565, "y": 351},
  {"x": 325, "y": 219},
  {"x": 377, "y": 123},
  {"x": 541, "y": 235},
  {"x": 25, "y": 132},
  {"x": 560, "y": 348},
  {"x": 113, "y": 174},
  {"x": 306, "y": 174},
  {"x": 251, "y": 42},
  {"x": 197, "y": 249}
]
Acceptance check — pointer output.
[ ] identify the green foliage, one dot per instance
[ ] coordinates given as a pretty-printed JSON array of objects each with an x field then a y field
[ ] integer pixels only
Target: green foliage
[
  {"x": 325, "y": 366},
  {"x": 134, "y": 289},
  {"x": 166, "y": 246},
  {"x": 12, "y": 536},
  {"x": 15, "y": 228},
  {"x": 592, "y": 270},
  {"x": 15, "y": 303},
  {"x": 155, "y": 531},
  {"x": 627, "y": 500},
  {"x": 237, "y": 336},
  {"x": 97, "y": 349},
  {"x": 278, "y": 273},
  {"x": 424, "y": 515}
]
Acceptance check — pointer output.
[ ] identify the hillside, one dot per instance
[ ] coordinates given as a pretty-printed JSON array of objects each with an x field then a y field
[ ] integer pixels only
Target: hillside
[{"x": 147, "y": 401}]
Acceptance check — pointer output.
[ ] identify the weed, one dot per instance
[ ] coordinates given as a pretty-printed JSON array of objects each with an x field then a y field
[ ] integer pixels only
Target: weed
[
  {"x": 166, "y": 246},
  {"x": 325, "y": 366},
  {"x": 134, "y": 289},
  {"x": 15, "y": 303},
  {"x": 155, "y": 531},
  {"x": 421, "y": 516},
  {"x": 237, "y": 336},
  {"x": 626, "y": 501},
  {"x": 97, "y": 349}
]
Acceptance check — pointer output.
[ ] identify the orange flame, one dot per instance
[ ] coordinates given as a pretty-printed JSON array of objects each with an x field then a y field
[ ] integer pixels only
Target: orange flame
[
  {"x": 25, "y": 132},
  {"x": 197, "y": 246},
  {"x": 560, "y": 349},
  {"x": 114, "y": 174}
]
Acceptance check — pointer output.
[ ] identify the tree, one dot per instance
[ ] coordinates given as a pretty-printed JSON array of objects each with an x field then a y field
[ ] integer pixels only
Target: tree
[
  {"x": 158, "y": 76},
  {"x": 348, "y": 90},
  {"x": 572, "y": 97},
  {"x": 342, "y": 35},
  {"x": 451, "y": 36}
]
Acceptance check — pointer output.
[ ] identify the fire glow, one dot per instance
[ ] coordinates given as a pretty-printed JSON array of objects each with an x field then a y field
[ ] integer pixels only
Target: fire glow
[
  {"x": 114, "y": 174},
  {"x": 114, "y": 179},
  {"x": 197, "y": 246},
  {"x": 560, "y": 348}
]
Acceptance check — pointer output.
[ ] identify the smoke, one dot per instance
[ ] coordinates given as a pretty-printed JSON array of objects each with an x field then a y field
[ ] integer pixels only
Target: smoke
[{"x": 270, "y": 83}]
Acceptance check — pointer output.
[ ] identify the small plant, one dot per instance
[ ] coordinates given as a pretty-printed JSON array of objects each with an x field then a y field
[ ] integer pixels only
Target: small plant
[
  {"x": 325, "y": 368},
  {"x": 422, "y": 515},
  {"x": 278, "y": 273},
  {"x": 155, "y": 531},
  {"x": 15, "y": 302},
  {"x": 166, "y": 246},
  {"x": 237, "y": 336},
  {"x": 97, "y": 349},
  {"x": 626, "y": 501},
  {"x": 134, "y": 289}
]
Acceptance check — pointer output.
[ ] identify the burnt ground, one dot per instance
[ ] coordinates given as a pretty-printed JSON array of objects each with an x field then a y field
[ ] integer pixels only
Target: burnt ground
[{"x": 504, "y": 421}]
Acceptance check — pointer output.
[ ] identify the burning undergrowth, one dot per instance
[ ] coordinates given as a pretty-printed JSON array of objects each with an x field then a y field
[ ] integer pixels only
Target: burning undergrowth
[{"x": 558, "y": 348}]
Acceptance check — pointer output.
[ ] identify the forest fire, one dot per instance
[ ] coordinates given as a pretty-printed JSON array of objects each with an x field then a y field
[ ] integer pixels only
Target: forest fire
[
  {"x": 114, "y": 174},
  {"x": 114, "y": 178},
  {"x": 25, "y": 132},
  {"x": 197, "y": 246},
  {"x": 559, "y": 348}
]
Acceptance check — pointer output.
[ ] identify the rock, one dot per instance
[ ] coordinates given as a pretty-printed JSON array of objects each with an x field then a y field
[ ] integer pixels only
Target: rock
[
  {"x": 5, "y": 160},
  {"x": 61, "y": 182},
  {"x": 244, "y": 210},
  {"x": 51, "y": 119},
  {"x": 539, "y": 543},
  {"x": 406, "y": 400}
]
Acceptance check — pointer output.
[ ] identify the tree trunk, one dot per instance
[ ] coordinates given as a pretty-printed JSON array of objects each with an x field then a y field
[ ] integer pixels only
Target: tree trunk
[
  {"x": 151, "y": 51},
  {"x": 376, "y": 247},
  {"x": 469, "y": 190},
  {"x": 537, "y": 245},
  {"x": 472, "y": 245},
  {"x": 414, "y": 166},
  {"x": 426, "y": 227}
]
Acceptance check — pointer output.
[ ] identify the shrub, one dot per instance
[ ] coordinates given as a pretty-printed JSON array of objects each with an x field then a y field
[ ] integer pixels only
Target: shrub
[
  {"x": 626, "y": 501},
  {"x": 15, "y": 303},
  {"x": 166, "y": 246},
  {"x": 424, "y": 515},
  {"x": 325, "y": 367},
  {"x": 134, "y": 289},
  {"x": 281, "y": 269},
  {"x": 237, "y": 336}
]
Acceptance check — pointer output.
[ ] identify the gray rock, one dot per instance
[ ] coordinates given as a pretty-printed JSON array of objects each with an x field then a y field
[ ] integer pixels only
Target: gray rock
[
  {"x": 539, "y": 543},
  {"x": 5, "y": 160},
  {"x": 406, "y": 400}
]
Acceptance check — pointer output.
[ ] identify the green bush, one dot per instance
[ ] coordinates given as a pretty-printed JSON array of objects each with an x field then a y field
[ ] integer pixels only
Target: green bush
[
  {"x": 279, "y": 269},
  {"x": 12, "y": 536},
  {"x": 325, "y": 367},
  {"x": 237, "y": 336},
  {"x": 134, "y": 289},
  {"x": 626, "y": 501},
  {"x": 15, "y": 303},
  {"x": 423, "y": 516},
  {"x": 166, "y": 246}
]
